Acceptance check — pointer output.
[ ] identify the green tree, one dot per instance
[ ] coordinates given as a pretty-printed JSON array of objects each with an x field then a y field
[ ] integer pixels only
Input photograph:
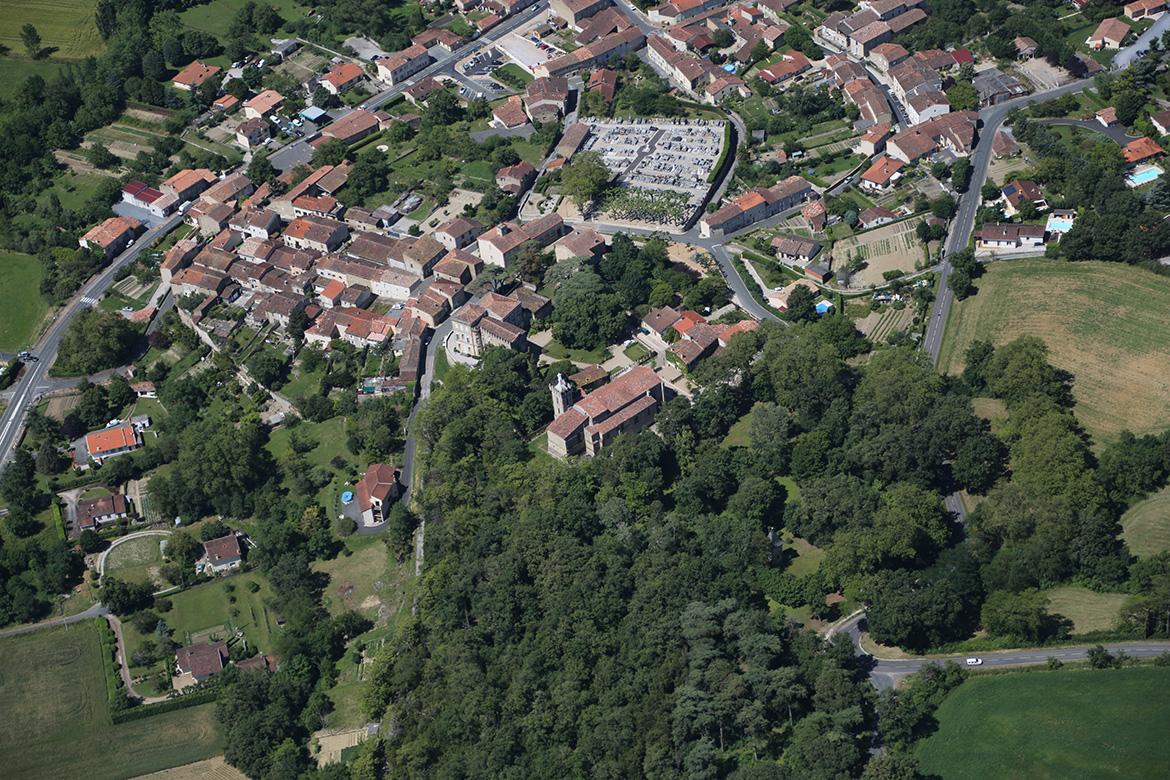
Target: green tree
[
  {"x": 31, "y": 40},
  {"x": 332, "y": 152},
  {"x": 584, "y": 178},
  {"x": 99, "y": 156},
  {"x": 802, "y": 305},
  {"x": 261, "y": 170},
  {"x": 1020, "y": 615},
  {"x": 18, "y": 481},
  {"x": 370, "y": 174}
]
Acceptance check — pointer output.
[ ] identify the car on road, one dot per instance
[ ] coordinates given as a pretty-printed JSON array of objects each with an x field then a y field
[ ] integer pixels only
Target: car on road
[{"x": 974, "y": 662}]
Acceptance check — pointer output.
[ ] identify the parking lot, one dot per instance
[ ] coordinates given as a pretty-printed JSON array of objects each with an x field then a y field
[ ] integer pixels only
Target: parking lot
[
  {"x": 526, "y": 50},
  {"x": 660, "y": 155}
]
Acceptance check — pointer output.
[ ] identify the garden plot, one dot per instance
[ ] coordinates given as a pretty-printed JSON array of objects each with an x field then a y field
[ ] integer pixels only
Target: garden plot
[{"x": 893, "y": 247}]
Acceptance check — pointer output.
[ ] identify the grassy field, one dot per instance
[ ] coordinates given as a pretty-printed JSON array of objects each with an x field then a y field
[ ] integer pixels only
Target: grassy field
[
  {"x": 67, "y": 27},
  {"x": 137, "y": 560},
  {"x": 203, "y": 611},
  {"x": 207, "y": 606},
  {"x": 73, "y": 190},
  {"x": 371, "y": 582},
  {"x": 14, "y": 71},
  {"x": 53, "y": 700},
  {"x": 215, "y": 17},
  {"x": 1146, "y": 526},
  {"x": 1105, "y": 323},
  {"x": 806, "y": 558},
  {"x": 512, "y": 75},
  {"x": 1087, "y": 609},
  {"x": 22, "y": 308},
  {"x": 739, "y": 434},
  {"x": 1066, "y": 724}
]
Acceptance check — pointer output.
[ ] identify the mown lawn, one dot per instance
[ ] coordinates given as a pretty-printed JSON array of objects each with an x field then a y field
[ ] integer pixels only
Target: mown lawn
[
  {"x": 68, "y": 27},
  {"x": 22, "y": 307},
  {"x": 207, "y": 606},
  {"x": 1064, "y": 725},
  {"x": 739, "y": 434},
  {"x": 1146, "y": 526},
  {"x": 1087, "y": 609},
  {"x": 512, "y": 75},
  {"x": 57, "y": 724},
  {"x": 14, "y": 70},
  {"x": 1107, "y": 324}
]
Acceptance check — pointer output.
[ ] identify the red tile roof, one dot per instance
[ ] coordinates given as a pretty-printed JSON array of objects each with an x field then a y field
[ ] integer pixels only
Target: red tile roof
[
  {"x": 195, "y": 74},
  {"x": 100, "y": 442}
]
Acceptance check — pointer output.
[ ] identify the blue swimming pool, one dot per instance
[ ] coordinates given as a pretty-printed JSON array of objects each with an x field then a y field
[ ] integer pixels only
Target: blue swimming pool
[
  {"x": 729, "y": 68},
  {"x": 1059, "y": 224},
  {"x": 1143, "y": 176},
  {"x": 823, "y": 307}
]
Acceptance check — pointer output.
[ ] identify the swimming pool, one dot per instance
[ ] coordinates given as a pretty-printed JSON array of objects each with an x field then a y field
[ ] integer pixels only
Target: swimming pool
[
  {"x": 823, "y": 307},
  {"x": 1144, "y": 175},
  {"x": 1059, "y": 224}
]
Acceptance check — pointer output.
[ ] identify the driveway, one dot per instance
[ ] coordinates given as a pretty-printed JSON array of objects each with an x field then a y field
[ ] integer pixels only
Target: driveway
[
  {"x": 1125, "y": 57},
  {"x": 1116, "y": 133}
]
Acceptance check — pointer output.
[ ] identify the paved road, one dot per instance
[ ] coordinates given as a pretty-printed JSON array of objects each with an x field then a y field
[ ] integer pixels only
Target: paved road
[
  {"x": 300, "y": 152},
  {"x": 1116, "y": 133},
  {"x": 886, "y": 672},
  {"x": 97, "y": 610},
  {"x": 27, "y": 388},
  {"x": 964, "y": 221}
]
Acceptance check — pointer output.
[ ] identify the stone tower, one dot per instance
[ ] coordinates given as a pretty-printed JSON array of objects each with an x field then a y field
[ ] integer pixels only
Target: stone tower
[{"x": 563, "y": 395}]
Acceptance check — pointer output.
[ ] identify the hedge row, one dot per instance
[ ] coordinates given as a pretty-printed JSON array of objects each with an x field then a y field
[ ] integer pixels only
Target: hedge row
[
  {"x": 177, "y": 703},
  {"x": 109, "y": 645},
  {"x": 718, "y": 166}
]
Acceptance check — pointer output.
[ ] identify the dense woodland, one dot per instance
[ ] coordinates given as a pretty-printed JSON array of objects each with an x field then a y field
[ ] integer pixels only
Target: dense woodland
[{"x": 610, "y": 616}]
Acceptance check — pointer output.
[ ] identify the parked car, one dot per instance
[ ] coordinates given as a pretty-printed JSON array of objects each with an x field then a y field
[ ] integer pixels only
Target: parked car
[{"x": 974, "y": 662}]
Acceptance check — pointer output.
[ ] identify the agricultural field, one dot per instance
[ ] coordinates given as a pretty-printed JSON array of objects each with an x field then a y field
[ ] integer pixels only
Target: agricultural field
[
  {"x": 22, "y": 308},
  {"x": 1070, "y": 724},
  {"x": 53, "y": 702},
  {"x": 892, "y": 247},
  {"x": 1105, "y": 323},
  {"x": 125, "y": 140},
  {"x": 1087, "y": 609},
  {"x": 67, "y": 27},
  {"x": 214, "y": 768},
  {"x": 879, "y": 325},
  {"x": 1146, "y": 526}
]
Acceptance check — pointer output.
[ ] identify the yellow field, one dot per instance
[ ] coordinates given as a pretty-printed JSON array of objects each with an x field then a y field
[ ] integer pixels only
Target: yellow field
[
  {"x": 1108, "y": 324},
  {"x": 212, "y": 769}
]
